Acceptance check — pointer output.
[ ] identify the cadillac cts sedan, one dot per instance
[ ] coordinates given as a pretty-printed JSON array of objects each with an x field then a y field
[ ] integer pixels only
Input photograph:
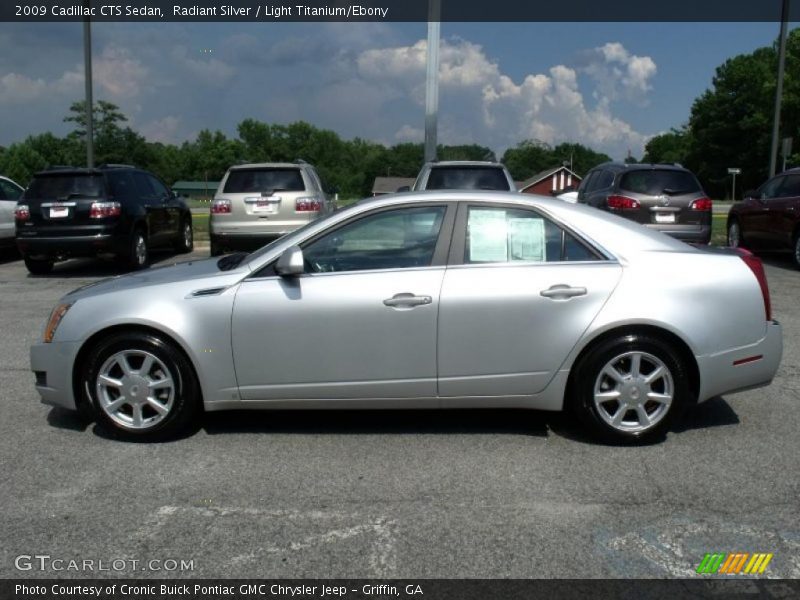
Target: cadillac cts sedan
[{"x": 422, "y": 300}]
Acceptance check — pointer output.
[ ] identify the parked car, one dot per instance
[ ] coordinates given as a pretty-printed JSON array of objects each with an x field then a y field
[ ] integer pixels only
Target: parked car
[
  {"x": 463, "y": 175},
  {"x": 664, "y": 197},
  {"x": 9, "y": 193},
  {"x": 260, "y": 202},
  {"x": 111, "y": 210},
  {"x": 769, "y": 217},
  {"x": 422, "y": 300}
]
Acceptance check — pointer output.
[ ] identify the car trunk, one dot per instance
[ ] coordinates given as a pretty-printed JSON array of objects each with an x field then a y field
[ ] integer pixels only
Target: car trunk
[
  {"x": 264, "y": 193},
  {"x": 665, "y": 197}
]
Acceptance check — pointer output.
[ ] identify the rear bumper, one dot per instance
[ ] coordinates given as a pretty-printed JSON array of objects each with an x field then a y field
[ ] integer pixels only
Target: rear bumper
[
  {"x": 52, "y": 366},
  {"x": 693, "y": 234},
  {"x": 744, "y": 368},
  {"x": 68, "y": 246}
]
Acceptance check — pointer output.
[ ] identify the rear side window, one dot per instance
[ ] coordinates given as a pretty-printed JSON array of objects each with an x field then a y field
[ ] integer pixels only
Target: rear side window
[
  {"x": 264, "y": 180},
  {"x": 467, "y": 178},
  {"x": 498, "y": 235},
  {"x": 655, "y": 182},
  {"x": 66, "y": 186},
  {"x": 121, "y": 185}
]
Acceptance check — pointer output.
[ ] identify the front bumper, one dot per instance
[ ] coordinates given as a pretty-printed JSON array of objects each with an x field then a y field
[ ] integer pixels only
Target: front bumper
[
  {"x": 52, "y": 364},
  {"x": 757, "y": 365}
]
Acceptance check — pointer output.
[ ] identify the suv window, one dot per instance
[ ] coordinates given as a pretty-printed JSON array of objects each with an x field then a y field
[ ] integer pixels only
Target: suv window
[
  {"x": 790, "y": 187},
  {"x": 263, "y": 180},
  {"x": 603, "y": 180},
  {"x": 159, "y": 188},
  {"x": 770, "y": 189},
  {"x": 143, "y": 185},
  {"x": 392, "y": 239},
  {"x": 655, "y": 182},
  {"x": 9, "y": 191},
  {"x": 121, "y": 184},
  {"x": 467, "y": 178},
  {"x": 62, "y": 186},
  {"x": 517, "y": 235}
]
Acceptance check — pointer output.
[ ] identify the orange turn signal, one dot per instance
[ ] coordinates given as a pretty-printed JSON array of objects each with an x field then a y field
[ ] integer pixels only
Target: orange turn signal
[{"x": 55, "y": 318}]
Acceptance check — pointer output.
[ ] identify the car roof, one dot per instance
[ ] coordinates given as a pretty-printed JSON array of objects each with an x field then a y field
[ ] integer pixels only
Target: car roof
[
  {"x": 272, "y": 165},
  {"x": 464, "y": 163},
  {"x": 84, "y": 170},
  {"x": 621, "y": 166}
]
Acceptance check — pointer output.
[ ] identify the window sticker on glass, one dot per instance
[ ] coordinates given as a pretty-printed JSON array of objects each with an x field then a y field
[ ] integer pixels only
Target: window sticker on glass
[
  {"x": 526, "y": 239},
  {"x": 488, "y": 236}
]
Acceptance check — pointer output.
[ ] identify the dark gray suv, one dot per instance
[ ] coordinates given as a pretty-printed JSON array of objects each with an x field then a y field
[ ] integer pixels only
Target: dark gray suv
[{"x": 660, "y": 196}]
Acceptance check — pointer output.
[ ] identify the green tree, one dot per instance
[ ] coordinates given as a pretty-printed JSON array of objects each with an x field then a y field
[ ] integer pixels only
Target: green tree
[
  {"x": 670, "y": 147},
  {"x": 20, "y": 161}
]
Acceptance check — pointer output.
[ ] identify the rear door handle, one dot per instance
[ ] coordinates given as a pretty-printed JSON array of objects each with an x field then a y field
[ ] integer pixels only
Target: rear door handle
[
  {"x": 407, "y": 300},
  {"x": 562, "y": 292}
]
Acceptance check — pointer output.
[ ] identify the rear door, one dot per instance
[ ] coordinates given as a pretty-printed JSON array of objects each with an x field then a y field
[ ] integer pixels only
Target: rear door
[
  {"x": 755, "y": 215},
  {"x": 152, "y": 200},
  {"x": 9, "y": 193},
  {"x": 518, "y": 294},
  {"x": 171, "y": 207},
  {"x": 783, "y": 213}
]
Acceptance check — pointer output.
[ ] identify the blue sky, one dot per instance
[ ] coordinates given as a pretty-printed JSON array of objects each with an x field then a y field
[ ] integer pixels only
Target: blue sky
[{"x": 610, "y": 86}]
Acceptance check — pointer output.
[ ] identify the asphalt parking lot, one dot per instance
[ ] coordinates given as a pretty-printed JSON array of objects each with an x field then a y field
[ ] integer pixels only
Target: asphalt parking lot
[{"x": 394, "y": 494}]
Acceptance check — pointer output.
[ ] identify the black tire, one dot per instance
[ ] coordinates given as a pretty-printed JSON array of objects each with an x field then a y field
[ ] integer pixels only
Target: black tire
[
  {"x": 735, "y": 240},
  {"x": 185, "y": 241},
  {"x": 216, "y": 248},
  {"x": 588, "y": 375},
  {"x": 38, "y": 267},
  {"x": 137, "y": 257},
  {"x": 184, "y": 402}
]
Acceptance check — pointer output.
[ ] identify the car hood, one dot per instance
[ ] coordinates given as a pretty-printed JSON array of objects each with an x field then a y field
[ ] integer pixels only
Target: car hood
[{"x": 169, "y": 274}]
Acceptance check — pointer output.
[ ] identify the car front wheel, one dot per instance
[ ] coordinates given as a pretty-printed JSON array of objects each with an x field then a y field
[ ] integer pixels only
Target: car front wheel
[
  {"x": 734, "y": 234},
  {"x": 140, "y": 386},
  {"x": 630, "y": 388}
]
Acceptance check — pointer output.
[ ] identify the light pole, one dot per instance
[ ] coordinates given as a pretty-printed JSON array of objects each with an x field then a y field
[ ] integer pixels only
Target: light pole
[
  {"x": 432, "y": 79},
  {"x": 87, "y": 69},
  {"x": 773, "y": 155}
]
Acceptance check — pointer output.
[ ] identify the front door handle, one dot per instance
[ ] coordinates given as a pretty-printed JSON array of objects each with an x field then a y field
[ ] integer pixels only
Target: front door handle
[
  {"x": 562, "y": 292},
  {"x": 407, "y": 300}
]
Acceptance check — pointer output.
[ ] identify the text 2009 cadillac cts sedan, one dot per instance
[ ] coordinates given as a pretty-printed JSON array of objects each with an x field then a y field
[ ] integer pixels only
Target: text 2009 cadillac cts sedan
[{"x": 426, "y": 300}]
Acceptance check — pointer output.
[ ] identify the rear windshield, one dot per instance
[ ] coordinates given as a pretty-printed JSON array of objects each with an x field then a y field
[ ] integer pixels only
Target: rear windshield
[
  {"x": 467, "y": 178},
  {"x": 657, "y": 182},
  {"x": 264, "y": 180},
  {"x": 63, "y": 187}
]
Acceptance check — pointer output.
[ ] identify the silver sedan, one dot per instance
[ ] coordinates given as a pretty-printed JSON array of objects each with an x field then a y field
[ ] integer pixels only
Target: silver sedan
[{"x": 424, "y": 300}]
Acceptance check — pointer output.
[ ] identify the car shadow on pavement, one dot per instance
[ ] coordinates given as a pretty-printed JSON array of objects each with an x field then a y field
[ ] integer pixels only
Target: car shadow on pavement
[
  {"x": 360, "y": 422},
  {"x": 61, "y": 418},
  {"x": 778, "y": 259},
  {"x": 715, "y": 412},
  {"x": 81, "y": 268}
]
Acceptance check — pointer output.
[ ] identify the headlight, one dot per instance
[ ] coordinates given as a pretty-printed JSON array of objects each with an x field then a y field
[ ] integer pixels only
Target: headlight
[{"x": 55, "y": 318}]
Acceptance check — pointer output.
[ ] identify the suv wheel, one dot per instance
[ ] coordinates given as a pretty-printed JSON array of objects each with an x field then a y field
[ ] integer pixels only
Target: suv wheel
[
  {"x": 629, "y": 388},
  {"x": 137, "y": 254},
  {"x": 38, "y": 267},
  {"x": 735, "y": 234},
  {"x": 185, "y": 242}
]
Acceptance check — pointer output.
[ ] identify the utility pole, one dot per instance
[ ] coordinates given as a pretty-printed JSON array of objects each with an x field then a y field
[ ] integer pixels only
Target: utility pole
[
  {"x": 87, "y": 73},
  {"x": 432, "y": 79},
  {"x": 773, "y": 155}
]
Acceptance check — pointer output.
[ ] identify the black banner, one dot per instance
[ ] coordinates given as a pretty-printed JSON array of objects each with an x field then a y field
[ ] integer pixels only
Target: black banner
[
  {"x": 393, "y": 10},
  {"x": 423, "y": 589}
]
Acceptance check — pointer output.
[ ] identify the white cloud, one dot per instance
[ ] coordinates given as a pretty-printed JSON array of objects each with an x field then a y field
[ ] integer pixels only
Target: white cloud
[
  {"x": 163, "y": 130},
  {"x": 407, "y": 133},
  {"x": 16, "y": 88},
  {"x": 117, "y": 74}
]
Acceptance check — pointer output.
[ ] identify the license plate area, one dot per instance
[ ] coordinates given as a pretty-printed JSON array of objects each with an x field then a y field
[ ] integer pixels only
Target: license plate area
[
  {"x": 263, "y": 204},
  {"x": 665, "y": 217},
  {"x": 59, "y": 212}
]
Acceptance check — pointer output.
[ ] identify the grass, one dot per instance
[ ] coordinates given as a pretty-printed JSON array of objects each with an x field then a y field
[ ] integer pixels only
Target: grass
[{"x": 200, "y": 226}]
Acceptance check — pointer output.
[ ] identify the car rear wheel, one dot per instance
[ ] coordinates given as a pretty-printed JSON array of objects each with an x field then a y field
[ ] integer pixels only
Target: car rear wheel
[
  {"x": 734, "y": 234},
  {"x": 630, "y": 388},
  {"x": 140, "y": 387},
  {"x": 38, "y": 267},
  {"x": 185, "y": 242}
]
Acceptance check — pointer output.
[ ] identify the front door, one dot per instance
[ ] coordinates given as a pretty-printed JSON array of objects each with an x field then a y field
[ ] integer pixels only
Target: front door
[{"x": 359, "y": 324}]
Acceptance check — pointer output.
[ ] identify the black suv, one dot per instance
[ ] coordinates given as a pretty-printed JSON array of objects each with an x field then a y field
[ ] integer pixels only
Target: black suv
[
  {"x": 114, "y": 210},
  {"x": 665, "y": 197}
]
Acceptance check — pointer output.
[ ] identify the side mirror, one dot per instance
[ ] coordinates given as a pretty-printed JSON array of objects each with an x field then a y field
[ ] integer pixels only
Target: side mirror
[
  {"x": 291, "y": 262},
  {"x": 404, "y": 188}
]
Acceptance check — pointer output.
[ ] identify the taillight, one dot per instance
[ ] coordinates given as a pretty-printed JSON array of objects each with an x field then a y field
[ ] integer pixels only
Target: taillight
[
  {"x": 101, "y": 210},
  {"x": 702, "y": 204},
  {"x": 22, "y": 212},
  {"x": 221, "y": 207},
  {"x": 757, "y": 267},
  {"x": 307, "y": 205},
  {"x": 622, "y": 203}
]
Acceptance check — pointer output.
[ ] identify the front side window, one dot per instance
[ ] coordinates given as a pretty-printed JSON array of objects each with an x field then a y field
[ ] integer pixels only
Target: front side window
[
  {"x": 392, "y": 239},
  {"x": 770, "y": 189},
  {"x": 499, "y": 235},
  {"x": 790, "y": 187}
]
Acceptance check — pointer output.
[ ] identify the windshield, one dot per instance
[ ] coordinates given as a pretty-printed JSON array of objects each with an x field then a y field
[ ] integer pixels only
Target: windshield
[
  {"x": 656, "y": 182},
  {"x": 66, "y": 186},
  {"x": 263, "y": 180}
]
